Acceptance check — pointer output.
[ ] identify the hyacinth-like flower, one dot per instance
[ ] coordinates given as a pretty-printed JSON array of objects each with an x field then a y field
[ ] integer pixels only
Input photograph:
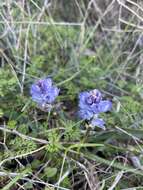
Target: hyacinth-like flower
[
  {"x": 91, "y": 105},
  {"x": 44, "y": 92}
]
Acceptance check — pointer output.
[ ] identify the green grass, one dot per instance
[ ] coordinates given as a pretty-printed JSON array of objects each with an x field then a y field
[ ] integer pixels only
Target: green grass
[{"x": 54, "y": 151}]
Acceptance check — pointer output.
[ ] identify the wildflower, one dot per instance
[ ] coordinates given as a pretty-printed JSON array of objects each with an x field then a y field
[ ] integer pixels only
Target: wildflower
[
  {"x": 91, "y": 105},
  {"x": 44, "y": 92}
]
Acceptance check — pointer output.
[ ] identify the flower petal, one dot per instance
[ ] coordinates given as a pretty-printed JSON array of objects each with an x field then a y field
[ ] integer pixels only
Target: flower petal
[
  {"x": 98, "y": 122},
  {"x": 83, "y": 96},
  {"x": 34, "y": 89},
  {"x": 104, "y": 106},
  {"x": 96, "y": 94},
  {"x": 52, "y": 93},
  {"x": 85, "y": 114},
  {"x": 47, "y": 83}
]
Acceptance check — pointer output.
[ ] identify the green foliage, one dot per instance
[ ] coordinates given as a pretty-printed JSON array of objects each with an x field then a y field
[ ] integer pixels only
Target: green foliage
[
  {"x": 131, "y": 105},
  {"x": 50, "y": 172},
  {"x": 72, "y": 131},
  {"x": 130, "y": 112},
  {"x": 35, "y": 163},
  {"x": 60, "y": 40},
  {"x": 66, "y": 183},
  {"x": 1, "y": 113},
  {"x": 23, "y": 129},
  {"x": 22, "y": 146},
  {"x": 36, "y": 65},
  {"x": 12, "y": 124},
  {"x": 28, "y": 185},
  {"x": 54, "y": 142},
  {"x": 8, "y": 82}
]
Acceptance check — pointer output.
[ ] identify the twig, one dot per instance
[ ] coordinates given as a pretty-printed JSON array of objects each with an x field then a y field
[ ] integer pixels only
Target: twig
[
  {"x": 24, "y": 136},
  {"x": 131, "y": 24},
  {"x": 116, "y": 181},
  {"x": 44, "y": 183},
  {"x": 12, "y": 174},
  {"x": 44, "y": 23},
  {"x": 21, "y": 155},
  {"x": 129, "y": 9},
  {"x": 25, "y": 59}
]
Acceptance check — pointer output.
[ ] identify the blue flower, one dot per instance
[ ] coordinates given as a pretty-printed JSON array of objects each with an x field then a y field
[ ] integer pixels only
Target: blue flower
[
  {"x": 91, "y": 105},
  {"x": 85, "y": 114},
  {"x": 98, "y": 122},
  {"x": 44, "y": 92}
]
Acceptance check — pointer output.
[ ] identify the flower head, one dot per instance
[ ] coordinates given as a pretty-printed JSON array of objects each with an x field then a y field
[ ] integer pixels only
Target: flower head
[
  {"x": 44, "y": 92},
  {"x": 91, "y": 105}
]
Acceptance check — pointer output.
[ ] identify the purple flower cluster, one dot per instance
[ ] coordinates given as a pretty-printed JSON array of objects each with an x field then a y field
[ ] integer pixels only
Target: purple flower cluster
[
  {"x": 44, "y": 92},
  {"x": 91, "y": 105}
]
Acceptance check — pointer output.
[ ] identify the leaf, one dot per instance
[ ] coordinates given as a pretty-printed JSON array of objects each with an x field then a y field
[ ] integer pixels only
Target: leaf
[
  {"x": 12, "y": 124},
  {"x": 50, "y": 172}
]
